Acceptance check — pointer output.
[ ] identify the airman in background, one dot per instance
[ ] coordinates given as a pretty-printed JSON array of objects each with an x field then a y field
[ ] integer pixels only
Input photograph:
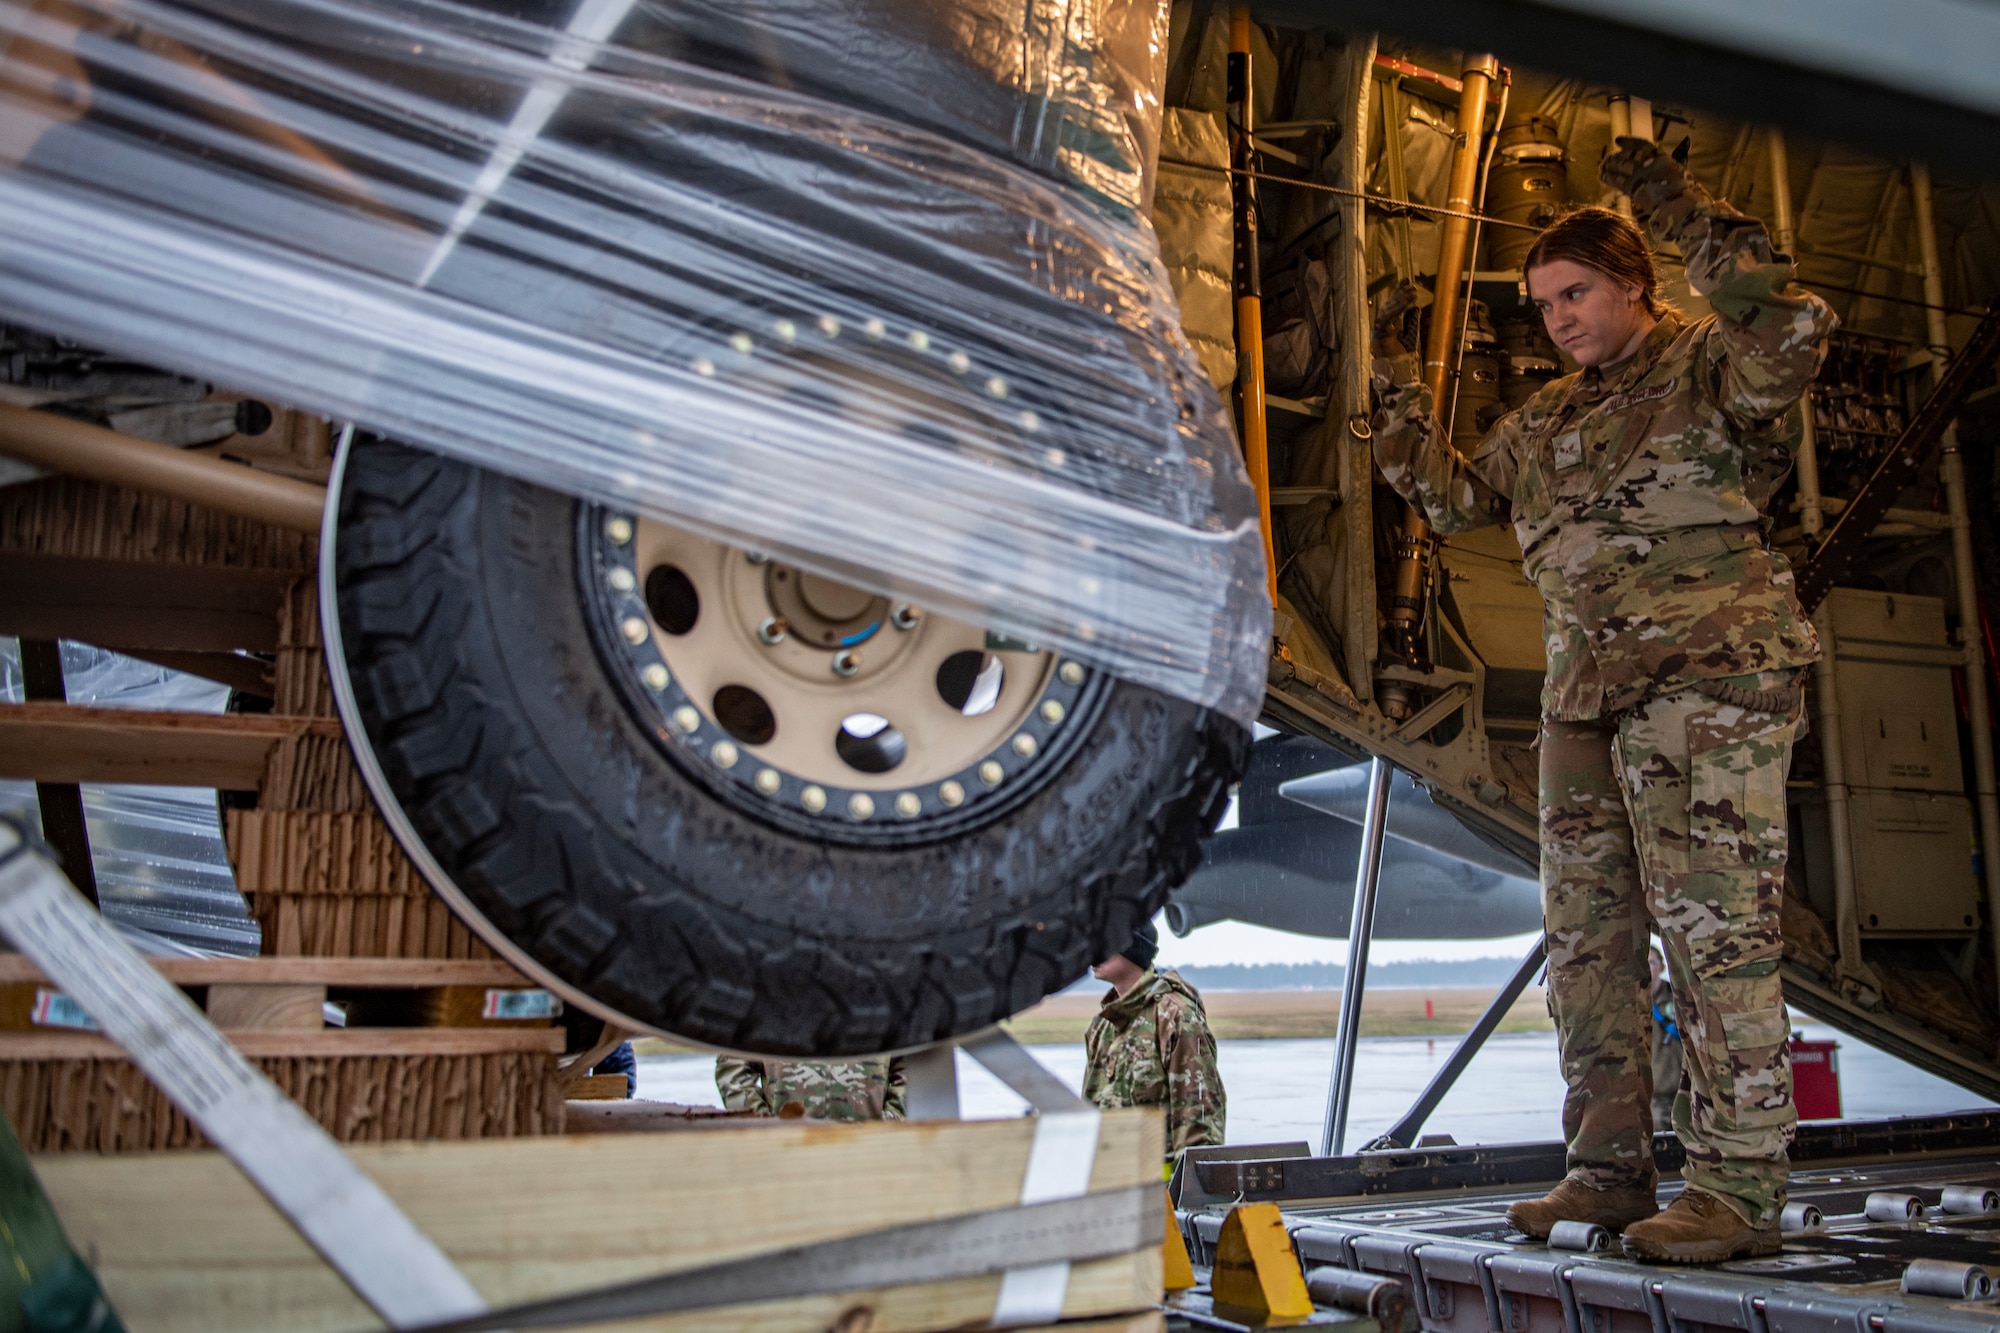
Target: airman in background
[
  {"x": 831, "y": 1090},
  {"x": 1667, "y": 1053},
  {"x": 1149, "y": 1045}
]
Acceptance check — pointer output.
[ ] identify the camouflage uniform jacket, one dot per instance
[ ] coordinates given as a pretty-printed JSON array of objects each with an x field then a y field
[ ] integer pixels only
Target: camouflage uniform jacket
[
  {"x": 1152, "y": 1047},
  {"x": 1637, "y": 490},
  {"x": 851, "y": 1090}
]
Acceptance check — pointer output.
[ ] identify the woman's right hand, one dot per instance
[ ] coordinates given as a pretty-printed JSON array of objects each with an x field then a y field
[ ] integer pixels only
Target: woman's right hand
[{"x": 1387, "y": 336}]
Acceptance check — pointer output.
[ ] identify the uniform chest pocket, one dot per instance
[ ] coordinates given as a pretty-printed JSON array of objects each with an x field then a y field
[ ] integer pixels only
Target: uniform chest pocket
[{"x": 1566, "y": 449}]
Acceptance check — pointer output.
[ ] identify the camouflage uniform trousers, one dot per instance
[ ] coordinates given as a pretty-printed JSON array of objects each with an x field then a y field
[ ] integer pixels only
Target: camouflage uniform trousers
[
  {"x": 1701, "y": 783},
  {"x": 820, "y": 1090}
]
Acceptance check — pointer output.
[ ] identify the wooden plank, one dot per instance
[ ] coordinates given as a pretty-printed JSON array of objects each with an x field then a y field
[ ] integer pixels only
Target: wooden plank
[
  {"x": 141, "y": 604},
  {"x": 381, "y": 972},
  {"x": 182, "y": 1242},
  {"x": 247, "y": 675},
  {"x": 49, "y": 742},
  {"x": 46, "y": 1044},
  {"x": 643, "y": 1117},
  {"x": 597, "y": 1088},
  {"x": 292, "y": 1008}
]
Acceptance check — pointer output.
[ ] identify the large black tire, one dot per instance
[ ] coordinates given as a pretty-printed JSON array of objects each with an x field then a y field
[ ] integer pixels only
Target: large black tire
[{"x": 576, "y": 835}]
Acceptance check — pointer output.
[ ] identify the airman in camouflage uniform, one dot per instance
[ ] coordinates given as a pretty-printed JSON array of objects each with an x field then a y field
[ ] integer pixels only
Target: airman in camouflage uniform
[
  {"x": 1149, "y": 1045},
  {"x": 833, "y": 1090},
  {"x": 1666, "y": 1043},
  {"x": 1675, "y": 644}
]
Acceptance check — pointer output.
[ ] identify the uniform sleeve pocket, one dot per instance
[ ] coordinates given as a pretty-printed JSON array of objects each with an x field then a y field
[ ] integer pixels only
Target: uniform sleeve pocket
[{"x": 1755, "y": 1028}]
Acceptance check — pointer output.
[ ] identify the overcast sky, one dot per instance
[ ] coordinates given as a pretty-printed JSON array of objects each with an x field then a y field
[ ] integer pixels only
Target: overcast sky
[{"x": 1234, "y": 942}]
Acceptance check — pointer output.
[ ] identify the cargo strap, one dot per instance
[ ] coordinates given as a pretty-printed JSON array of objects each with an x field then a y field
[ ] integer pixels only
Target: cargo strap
[
  {"x": 1093, "y": 1226},
  {"x": 1059, "y": 1166},
  {"x": 342, "y": 1213}
]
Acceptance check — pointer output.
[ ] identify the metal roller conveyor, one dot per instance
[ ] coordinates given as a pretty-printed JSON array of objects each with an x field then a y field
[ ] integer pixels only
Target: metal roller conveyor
[{"x": 1885, "y": 1228}]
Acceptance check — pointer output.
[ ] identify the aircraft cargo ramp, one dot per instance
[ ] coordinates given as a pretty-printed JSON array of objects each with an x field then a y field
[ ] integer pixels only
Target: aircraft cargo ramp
[{"x": 1892, "y": 1225}]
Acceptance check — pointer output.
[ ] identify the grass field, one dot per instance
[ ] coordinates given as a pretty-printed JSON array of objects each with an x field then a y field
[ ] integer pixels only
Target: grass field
[
  {"x": 1240, "y": 1015},
  {"x": 1250, "y": 1014}
]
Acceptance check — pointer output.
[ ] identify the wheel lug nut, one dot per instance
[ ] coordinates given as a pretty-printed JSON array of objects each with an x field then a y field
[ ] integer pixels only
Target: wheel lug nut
[
  {"x": 813, "y": 799},
  {"x": 846, "y": 663},
  {"x": 991, "y": 773},
  {"x": 905, "y": 616},
  {"x": 619, "y": 530},
  {"x": 768, "y": 781},
  {"x": 909, "y": 805},
  {"x": 771, "y": 631}
]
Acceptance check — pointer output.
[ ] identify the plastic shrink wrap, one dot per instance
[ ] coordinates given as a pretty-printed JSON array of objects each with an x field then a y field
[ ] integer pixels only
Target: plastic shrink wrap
[{"x": 868, "y": 286}]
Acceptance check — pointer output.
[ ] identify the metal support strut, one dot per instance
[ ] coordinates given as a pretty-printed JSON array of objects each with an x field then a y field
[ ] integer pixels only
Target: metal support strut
[
  {"x": 1249, "y": 283},
  {"x": 1367, "y": 877},
  {"x": 1404, "y": 1132},
  {"x": 61, "y": 803},
  {"x": 1812, "y": 518},
  {"x": 1414, "y": 543}
]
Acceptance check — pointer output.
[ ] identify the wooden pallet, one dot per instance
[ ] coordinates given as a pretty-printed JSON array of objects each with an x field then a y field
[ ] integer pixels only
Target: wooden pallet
[
  {"x": 182, "y": 1242},
  {"x": 422, "y": 1060},
  {"x": 346, "y": 919}
]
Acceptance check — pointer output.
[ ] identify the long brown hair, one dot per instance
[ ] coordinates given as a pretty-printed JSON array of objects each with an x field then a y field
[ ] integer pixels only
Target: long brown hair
[{"x": 1605, "y": 240}]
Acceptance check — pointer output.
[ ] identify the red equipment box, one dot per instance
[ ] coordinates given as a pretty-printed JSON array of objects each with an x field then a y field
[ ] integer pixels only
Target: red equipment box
[{"x": 1816, "y": 1078}]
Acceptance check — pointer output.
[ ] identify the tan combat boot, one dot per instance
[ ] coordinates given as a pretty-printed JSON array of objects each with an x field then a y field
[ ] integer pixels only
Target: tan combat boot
[
  {"x": 1699, "y": 1228},
  {"x": 1573, "y": 1201}
]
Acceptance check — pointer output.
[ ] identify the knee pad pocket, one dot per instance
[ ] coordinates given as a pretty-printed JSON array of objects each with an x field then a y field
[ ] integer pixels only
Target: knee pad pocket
[
  {"x": 1729, "y": 926},
  {"x": 1752, "y": 1072}
]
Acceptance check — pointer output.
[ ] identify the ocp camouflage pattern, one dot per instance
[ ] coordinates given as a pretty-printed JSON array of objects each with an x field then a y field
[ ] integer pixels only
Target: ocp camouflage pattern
[
  {"x": 1152, "y": 1047},
  {"x": 1703, "y": 783},
  {"x": 1638, "y": 495},
  {"x": 832, "y": 1090}
]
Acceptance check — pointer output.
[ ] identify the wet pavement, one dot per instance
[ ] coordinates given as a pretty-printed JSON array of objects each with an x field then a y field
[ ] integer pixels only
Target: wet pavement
[{"x": 1277, "y": 1089}]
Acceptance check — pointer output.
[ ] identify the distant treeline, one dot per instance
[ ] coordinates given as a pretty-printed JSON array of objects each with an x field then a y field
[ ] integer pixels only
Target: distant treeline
[{"x": 1328, "y": 976}]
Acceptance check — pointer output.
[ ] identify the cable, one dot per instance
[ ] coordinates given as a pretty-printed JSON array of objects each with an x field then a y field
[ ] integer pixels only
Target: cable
[
  {"x": 1385, "y": 201},
  {"x": 1350, "y": 194}
]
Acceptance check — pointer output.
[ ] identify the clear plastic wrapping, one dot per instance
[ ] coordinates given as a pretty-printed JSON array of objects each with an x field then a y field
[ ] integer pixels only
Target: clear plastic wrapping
[
  {"x": 917, "y": 337},
  {"x": 163, "y": 874}
]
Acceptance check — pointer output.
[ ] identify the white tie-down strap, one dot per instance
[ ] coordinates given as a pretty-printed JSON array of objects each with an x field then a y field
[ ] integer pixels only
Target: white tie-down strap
[
  {"x": 340, "y": 1211},
  {"x": 1059, "y": 1165}
]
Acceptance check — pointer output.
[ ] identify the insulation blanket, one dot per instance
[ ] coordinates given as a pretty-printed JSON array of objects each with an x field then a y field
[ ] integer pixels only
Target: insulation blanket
[{"x": 869, "y": 287}]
